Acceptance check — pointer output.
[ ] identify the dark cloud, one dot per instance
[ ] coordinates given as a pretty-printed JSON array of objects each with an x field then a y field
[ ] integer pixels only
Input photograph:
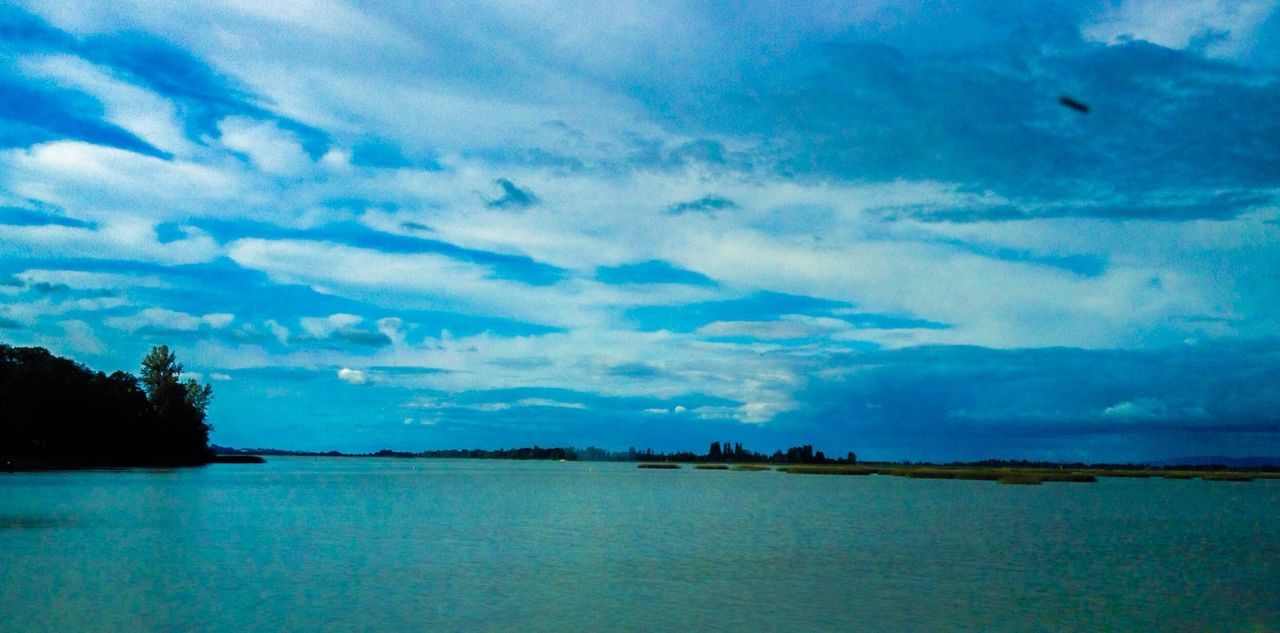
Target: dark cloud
[
  {"x": 33, "y": 112},
  {"x": 1168, "y": 131},
  {"x": 401, "y": 370},
  {"x": 969, "y": 402},
  {"x": 18, "y": 216},
  {"x": 765, "y": 306},
  {"x": 382, "y": 154},
  {"x": 651, "y": 272},
  {"x": 345, "y": 336},
  {"x": 705, "y": 204},
  {"x": 361, "y": 337},
  {"x": 50, "y": 288},
  {"x": 1174, "y": 207},
  {"x": 25, "y": 31},
  {"x": 1082, "y": 265},
  {"x": 634, "y": 370},
  {"x": 538, "y": 157},
  {"x": 870, "y": 320},
  {"x": 512, "y": 196},
  {"x": 523, "y": 362},
  {"x": 523, "y": 269},
  {"x": 10, "y": 324},
  {"x": 46, "y": 288},
  {"x": 170, "y": 232}
]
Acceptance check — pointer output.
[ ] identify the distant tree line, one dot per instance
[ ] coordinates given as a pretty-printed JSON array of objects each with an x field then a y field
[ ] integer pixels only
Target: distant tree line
[
  {"x": 58, "y": 412},
  {"x": 567, "y": 454},
  {"x": 717, "y": 453}
]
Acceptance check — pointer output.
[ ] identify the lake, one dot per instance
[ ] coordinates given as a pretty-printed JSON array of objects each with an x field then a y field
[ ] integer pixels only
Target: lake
[{"x": 347, "y": 544}]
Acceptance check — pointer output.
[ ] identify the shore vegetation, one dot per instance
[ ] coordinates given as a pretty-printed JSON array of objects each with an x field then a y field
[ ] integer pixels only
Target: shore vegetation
[{"x": 56, "y": 413}]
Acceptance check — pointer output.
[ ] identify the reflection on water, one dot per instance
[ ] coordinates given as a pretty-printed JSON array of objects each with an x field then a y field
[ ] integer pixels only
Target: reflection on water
[
  {"x": 427, "y": 545},
  {"x": 35, "y": 522}
]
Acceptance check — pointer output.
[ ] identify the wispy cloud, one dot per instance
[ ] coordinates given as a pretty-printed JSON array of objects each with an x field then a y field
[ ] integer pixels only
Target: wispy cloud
[{"x": 863, "y": 224}]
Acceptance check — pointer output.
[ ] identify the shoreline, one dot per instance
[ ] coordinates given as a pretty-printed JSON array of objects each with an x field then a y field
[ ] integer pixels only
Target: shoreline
[
  {"x": 1003, "y": 474},
  {"x": 40, "y": 464}
]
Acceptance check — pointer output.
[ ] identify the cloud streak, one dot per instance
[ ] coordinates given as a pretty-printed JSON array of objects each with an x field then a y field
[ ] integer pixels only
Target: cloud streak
[{"x": 869, "y": 227}]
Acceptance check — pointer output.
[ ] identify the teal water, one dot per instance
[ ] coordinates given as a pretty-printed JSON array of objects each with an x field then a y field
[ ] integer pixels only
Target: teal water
[{"x": 457, "y": 545}]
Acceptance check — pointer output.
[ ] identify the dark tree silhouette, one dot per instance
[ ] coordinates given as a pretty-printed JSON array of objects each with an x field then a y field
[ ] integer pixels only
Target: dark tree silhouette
[{"x": 56, "y": 411}]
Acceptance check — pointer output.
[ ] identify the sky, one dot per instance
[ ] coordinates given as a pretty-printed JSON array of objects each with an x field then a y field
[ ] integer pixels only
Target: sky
[{"x": 865, "y": 226}]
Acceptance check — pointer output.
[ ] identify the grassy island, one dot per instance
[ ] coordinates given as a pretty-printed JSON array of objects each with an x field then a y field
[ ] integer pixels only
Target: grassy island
[
  {"x": 1019, "y": 475},
  {"x": 660, "y": 466}
]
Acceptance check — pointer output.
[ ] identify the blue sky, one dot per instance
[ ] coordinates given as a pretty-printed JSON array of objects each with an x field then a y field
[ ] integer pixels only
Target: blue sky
[{"x": 869, "y": 226}]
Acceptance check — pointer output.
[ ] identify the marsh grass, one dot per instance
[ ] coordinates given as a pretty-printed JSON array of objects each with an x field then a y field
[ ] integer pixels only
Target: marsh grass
[
  {"x": 1022, "y": 476},
  {"x": 833, "y": 469},
  {"x": 1065, "y": 476},
  {"x": 972, "y": 474},
  {"x": 1002, "y": 475},
  {"x": 1220, "y": 476},
  {"x": 1132, "y": 474},
  {"x": 1020, "y": 479}
]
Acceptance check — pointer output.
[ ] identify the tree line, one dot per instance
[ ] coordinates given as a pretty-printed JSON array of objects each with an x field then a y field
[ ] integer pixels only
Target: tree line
[
  {"x": 717, "y": 453},
  {"x": 58, "y": 412}
]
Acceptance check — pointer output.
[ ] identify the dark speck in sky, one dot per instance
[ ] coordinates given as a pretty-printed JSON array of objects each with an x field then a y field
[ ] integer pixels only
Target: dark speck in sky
[{"x": 1073, "y": 104}]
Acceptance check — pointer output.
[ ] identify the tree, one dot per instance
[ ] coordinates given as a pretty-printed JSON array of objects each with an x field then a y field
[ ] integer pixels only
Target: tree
[
  {"x": 198, "y": 395},
  {"x": 179, "y": 406},
  {"x": 54, "y": 409},
  {"x": 160, "y": 370}
]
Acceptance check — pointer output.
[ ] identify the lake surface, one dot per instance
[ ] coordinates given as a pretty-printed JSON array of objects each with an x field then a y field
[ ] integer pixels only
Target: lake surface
[{"x": 338, "y": 544}]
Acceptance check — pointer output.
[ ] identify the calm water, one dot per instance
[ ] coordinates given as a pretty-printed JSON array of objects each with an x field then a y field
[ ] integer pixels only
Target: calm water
[{"x": 426, "y": 545}]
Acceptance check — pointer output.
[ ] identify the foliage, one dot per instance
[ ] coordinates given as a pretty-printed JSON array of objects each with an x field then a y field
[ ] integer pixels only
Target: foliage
[{"x": 56, "y": 410}]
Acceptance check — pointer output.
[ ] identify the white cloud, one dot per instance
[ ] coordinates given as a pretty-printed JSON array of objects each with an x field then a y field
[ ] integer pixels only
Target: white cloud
[
  {"x": 1143, "y": 409},
  {"x": 547, "y": 402},
  {"x": 321, "y": 327},
  {"x": 150, "y": 117},
  {"x": 1228, "y": 28},
  {"x": 218, "y": 320},
  {"x": 271, "y": 149},
  {"x": 437, "y": 282},
  {"x": 1150, "y": 409},
  {"x": 164, "y": 319},
  {"x": 123, "y": 238},
  {"x": 391, "y": 327},
  {"x": 85, "y": 280},
  {"x": 554, "y": 97},
  {"x": 790, "y": 326},
  {"x": 103, "y": 183},
  {"x": 279, "y": 331},
  {"x": 81, "y": 338},
  {"x": 749, "y": 413},
  {"x": 352, "y": 376}
]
